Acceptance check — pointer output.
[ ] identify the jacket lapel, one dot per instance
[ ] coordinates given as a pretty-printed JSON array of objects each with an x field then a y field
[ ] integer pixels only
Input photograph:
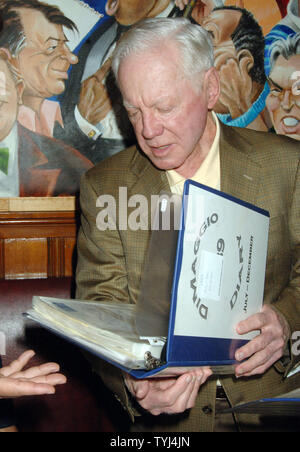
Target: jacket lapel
[
  {"x": 241, "y": 176},
  {"x": 34, "y": 181},
  {"x": 150, "y": 180}
]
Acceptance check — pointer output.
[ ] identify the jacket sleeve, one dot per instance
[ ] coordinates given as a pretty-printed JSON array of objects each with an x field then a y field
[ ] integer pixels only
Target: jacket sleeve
[
  {"x": 288, "y": 302},
  {"x": 101, "y": 275}
]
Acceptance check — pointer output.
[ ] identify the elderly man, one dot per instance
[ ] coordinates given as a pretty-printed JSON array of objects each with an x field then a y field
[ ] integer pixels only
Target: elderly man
[{"x": 165, "y": 72}]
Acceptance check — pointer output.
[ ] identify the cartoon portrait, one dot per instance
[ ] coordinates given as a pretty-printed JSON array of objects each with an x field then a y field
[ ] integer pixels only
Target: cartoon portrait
[
  {"x": 283, "y": 102},
  {"x": 65, "y": 114},
  {"x": 239, "y": 58},
  {"x": 32, "y": 164},
  {"x": 34, "y": 64}
]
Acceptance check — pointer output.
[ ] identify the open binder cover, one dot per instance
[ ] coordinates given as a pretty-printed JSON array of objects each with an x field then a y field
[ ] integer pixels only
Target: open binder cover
[{"x": 213, "y": 272}]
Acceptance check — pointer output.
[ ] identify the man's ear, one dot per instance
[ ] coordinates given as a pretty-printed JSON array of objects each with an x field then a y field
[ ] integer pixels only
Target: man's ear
[
  {"x": 212, "y": 84},
  {"x": 246, "y": 60}
]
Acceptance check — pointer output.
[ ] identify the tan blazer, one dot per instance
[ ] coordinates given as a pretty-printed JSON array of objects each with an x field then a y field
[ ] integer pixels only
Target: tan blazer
[{"x": 260, "y": 168}]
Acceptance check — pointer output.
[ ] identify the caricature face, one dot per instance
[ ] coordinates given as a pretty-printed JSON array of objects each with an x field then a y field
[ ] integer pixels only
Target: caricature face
[
  {"x": 9, "y": 100},
  {"x": 283, "y": 102},
  {"x": 221, "y": 25},
  {"x": 45, "y": 59},
  {"x": 128, "y": 12}
]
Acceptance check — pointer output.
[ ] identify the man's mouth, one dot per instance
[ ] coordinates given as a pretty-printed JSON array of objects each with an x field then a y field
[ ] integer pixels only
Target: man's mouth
[
  {"x": 159, "y": 151},
  {"x": 61, "y": 74},
  {"x": 290, "y": 124},
  {"x": 290, "y": 121}
]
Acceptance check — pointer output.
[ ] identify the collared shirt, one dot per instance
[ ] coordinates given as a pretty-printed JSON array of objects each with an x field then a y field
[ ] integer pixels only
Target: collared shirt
[
  {"x": 43, "y": 124},
  {"x": 9, "y": 183},
  {"x": 209, "y": 172}
]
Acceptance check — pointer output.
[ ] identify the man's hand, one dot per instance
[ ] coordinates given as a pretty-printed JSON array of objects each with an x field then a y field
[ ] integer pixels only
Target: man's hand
[
  {"x": 168, "y": 395},
  {"x": 16, "y": 382},
  {"x": 94, "y": 102},
  {"x": 266, "y": 348}
]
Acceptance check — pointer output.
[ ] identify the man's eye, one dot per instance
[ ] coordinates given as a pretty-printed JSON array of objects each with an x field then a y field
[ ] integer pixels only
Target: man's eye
[
  {"x": 132, "y": 113},
  {"x": 165, "y": 109},
  {"x": 211, "y": 33},
  {"x": 276, "y": 91},
  {"x": 51, "y": 49}
]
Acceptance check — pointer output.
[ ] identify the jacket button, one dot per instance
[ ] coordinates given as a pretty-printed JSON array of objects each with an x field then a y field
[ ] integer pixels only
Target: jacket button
[{"x": 207, "y": 409}]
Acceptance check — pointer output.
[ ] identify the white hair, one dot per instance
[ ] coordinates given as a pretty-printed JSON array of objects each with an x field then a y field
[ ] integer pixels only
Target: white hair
[
  {"x": 194, "y": 43},
  {"x": 287, "y": 47}
]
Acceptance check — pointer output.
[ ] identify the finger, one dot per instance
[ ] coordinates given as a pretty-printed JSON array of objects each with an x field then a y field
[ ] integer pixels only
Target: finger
[
  {"x": 18, "y": 364},
  {"x": 255, "y": 369},
  {"x": 201, "y": 377},
  {"x": 186, "y": 400},
  {"x": 53, "y": 379},
  {"x": 138, "y": 388},
  {"x": 268, "y": 354},
  {"x": 252, "y": 323},
  {"x": 10, "y": 387},
  {"x": 102, "y": 72},
  {"x": 161, "y": 401},
  {"x": 32, "y": 372},
  {"x": 141, "y": 389}
]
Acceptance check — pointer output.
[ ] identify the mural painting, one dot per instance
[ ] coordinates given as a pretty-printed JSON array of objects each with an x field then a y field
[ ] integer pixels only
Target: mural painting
[{"x": 61, "y": 112}]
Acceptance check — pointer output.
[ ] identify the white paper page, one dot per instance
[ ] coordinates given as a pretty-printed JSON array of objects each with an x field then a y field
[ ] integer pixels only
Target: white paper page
[{"x": 223, "y": 267}]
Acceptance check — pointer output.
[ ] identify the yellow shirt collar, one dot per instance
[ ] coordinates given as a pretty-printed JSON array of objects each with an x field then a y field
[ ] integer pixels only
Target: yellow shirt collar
[{"x": 209, "y": 171}]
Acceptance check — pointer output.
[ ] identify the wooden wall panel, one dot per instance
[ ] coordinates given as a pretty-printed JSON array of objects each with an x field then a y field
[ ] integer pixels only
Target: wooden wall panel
[
  {"x": 37, "y": 244},
  {"x": 26, "y": 258}
]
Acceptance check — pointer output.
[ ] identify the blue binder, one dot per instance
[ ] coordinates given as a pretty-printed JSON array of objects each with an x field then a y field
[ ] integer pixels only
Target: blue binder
[
  {"x": 220, "y": 223},
  {"x": 218, "y": 280}
]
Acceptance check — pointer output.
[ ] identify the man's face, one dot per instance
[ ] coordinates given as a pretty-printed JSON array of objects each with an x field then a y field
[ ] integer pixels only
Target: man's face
[
  {"x": 221, "y": 25},
  {"x": 283, "y": 102},
  {"x": 9, "y": 101},
  {"x": 45, "y": 59},
  {"x": 168, "y": 115},
  {"x": 128, "y": 12}
]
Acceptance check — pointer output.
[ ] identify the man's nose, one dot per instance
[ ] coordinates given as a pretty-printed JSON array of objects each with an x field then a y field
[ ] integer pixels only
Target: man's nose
[
  {"x": 287, "y": 102},
  {"x": 152, "y": 126},
  {"x": 69, "y": 56}
]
